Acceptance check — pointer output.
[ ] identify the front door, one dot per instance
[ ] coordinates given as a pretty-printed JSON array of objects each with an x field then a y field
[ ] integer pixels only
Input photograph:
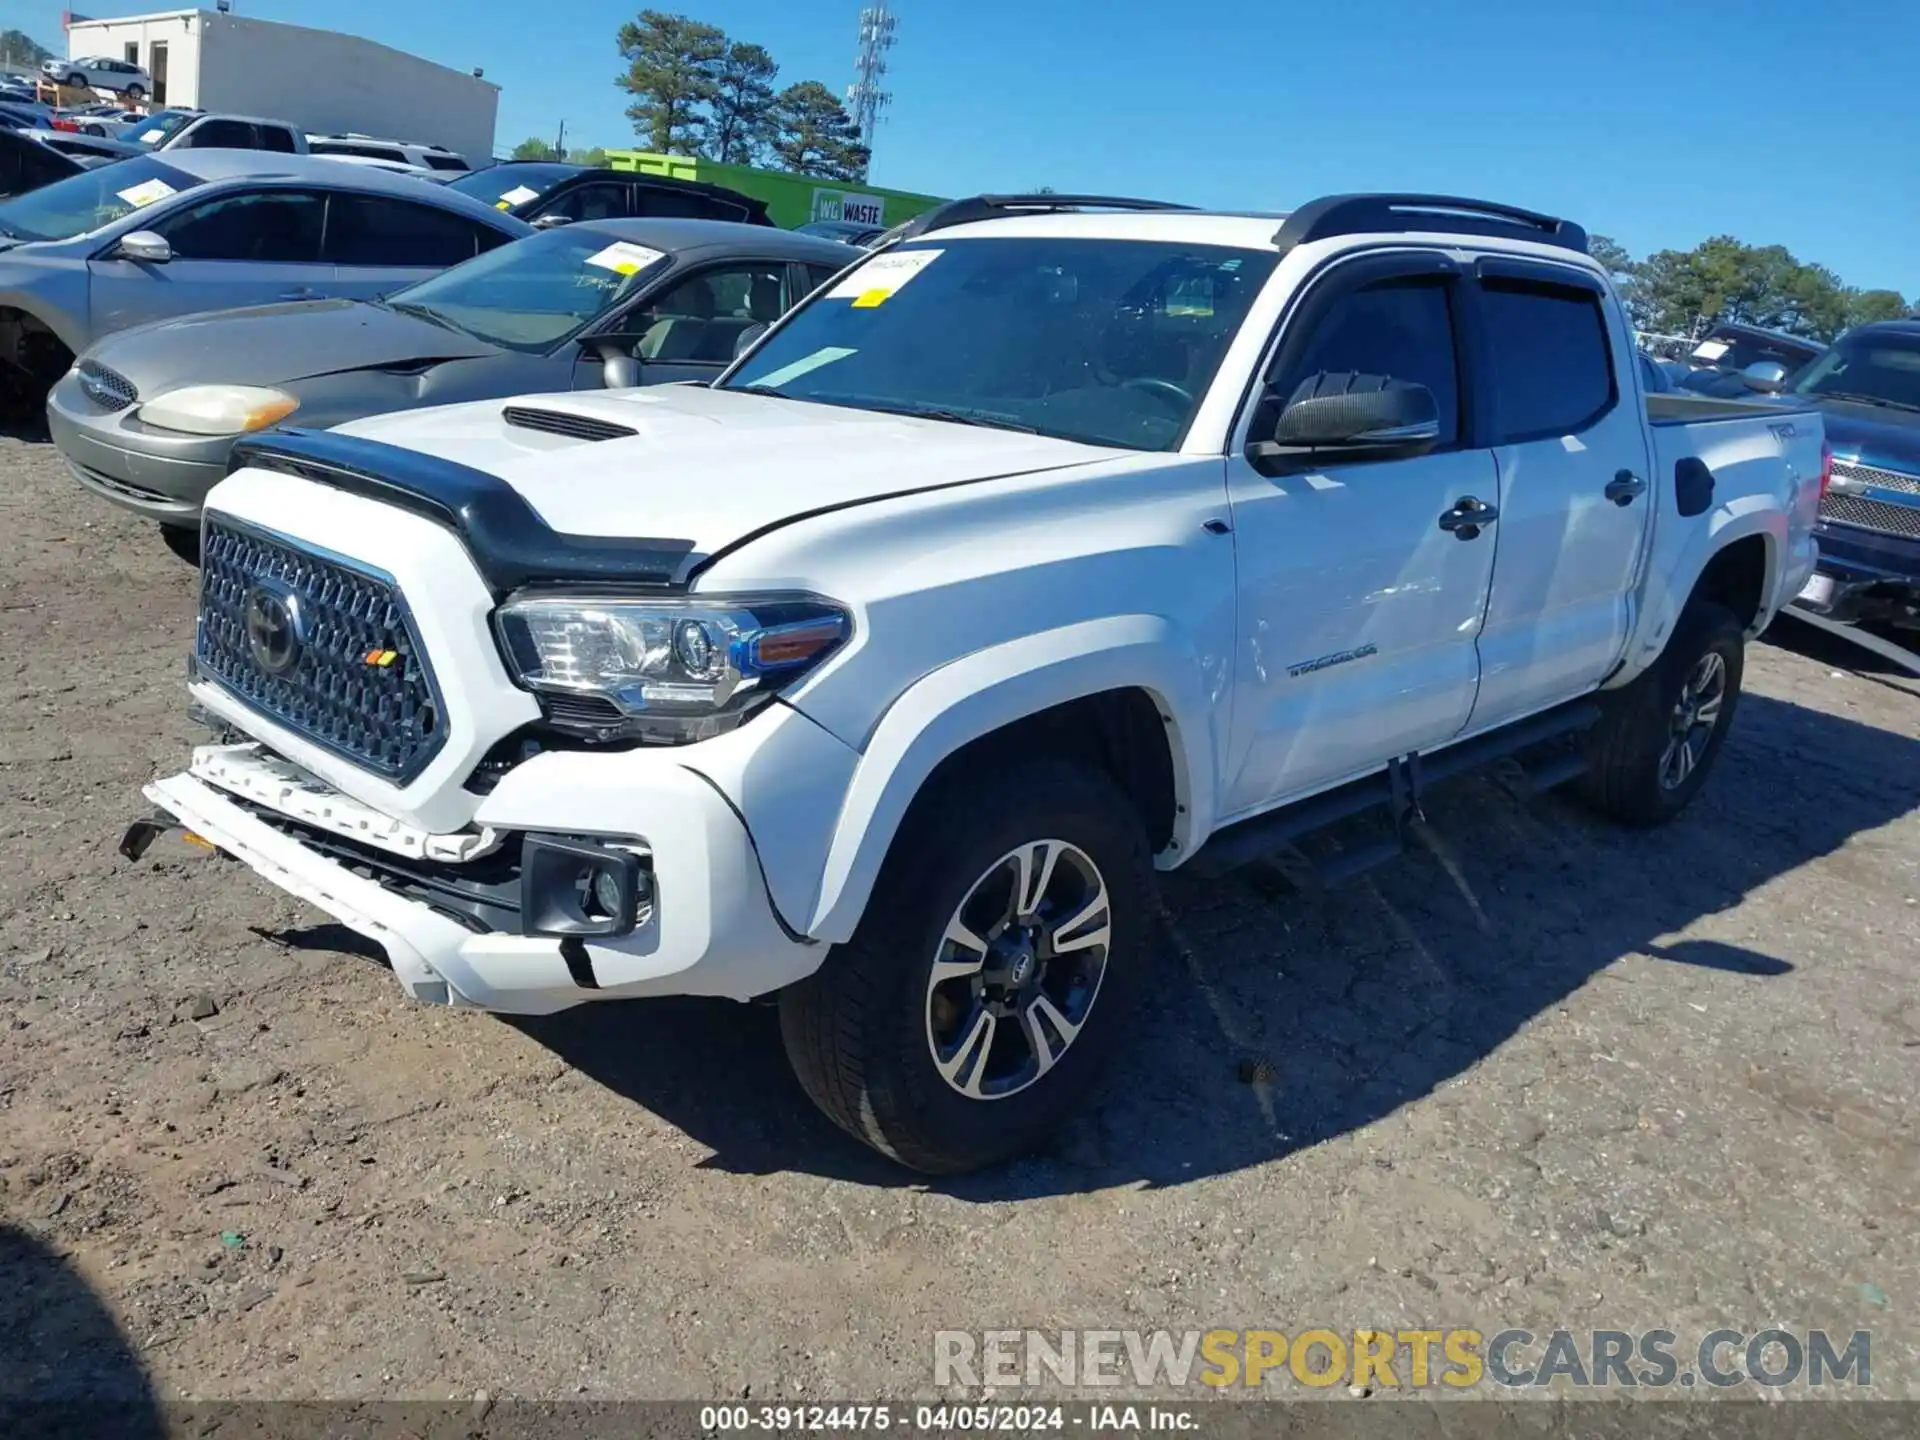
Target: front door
[
  {"x": 1575, "y": 491},
  {"x": 1358, "y": 612},
  {"x": 690, "y": 329},
  {"x": 249, "y": 247}
]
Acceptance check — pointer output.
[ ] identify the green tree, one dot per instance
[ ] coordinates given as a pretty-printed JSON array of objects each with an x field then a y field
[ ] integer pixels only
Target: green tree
[
  {"x": 1866, "y": 306},
  {"x": 20, "y": 51},
  {"x": 740, "y": 125},
  {"x": 814, "y": 134},
  {"x": 673, "y": 67},
  {"x": 596, "y": 157},
  {"x": 535, "y": 150}
]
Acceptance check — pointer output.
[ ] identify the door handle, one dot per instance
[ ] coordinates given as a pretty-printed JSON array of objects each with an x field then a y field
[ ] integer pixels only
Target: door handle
[
  {"x": 1624, "y": 486},
  {"x": 1468, "y": 515}
]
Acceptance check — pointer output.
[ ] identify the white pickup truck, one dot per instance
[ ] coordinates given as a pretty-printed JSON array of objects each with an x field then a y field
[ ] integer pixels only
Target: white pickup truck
[{"x": 1063, "y": 540}]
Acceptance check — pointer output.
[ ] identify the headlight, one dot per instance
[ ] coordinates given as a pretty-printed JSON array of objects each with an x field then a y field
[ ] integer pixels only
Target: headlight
[
  {"x": 218, "y": 409},
  {"x": 668, "y": 671}
]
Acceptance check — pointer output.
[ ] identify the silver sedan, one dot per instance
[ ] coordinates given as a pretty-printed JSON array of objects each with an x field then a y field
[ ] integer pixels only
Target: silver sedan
[
  {"x": 156, "y": 236},
  {"x": 147, "y": 417}
]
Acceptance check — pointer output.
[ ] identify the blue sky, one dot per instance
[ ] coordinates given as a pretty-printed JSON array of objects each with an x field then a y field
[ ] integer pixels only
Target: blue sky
[{"x": 1660, "y": 122}]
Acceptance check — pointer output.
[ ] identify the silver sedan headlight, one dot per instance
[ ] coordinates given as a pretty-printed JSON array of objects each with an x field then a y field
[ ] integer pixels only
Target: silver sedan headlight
[
  {"x": 668, "y": 670},
  {"x": 218, "y": 409}
]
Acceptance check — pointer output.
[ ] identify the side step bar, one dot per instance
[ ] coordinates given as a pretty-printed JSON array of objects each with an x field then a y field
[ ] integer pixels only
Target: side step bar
[{"x": 1397, "y": 791}]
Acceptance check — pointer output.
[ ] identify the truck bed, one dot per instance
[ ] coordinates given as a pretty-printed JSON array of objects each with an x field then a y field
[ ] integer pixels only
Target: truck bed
[{"x": 1675, "y": 409}]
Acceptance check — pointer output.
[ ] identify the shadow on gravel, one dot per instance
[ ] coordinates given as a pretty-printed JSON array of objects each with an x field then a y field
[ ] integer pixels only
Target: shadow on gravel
[
  {"x": 65, "y": 1367},
  {"x": 1279, "y": 1019}
]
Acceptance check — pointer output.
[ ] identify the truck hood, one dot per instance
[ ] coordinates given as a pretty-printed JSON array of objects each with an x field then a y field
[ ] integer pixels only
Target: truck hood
[
  {"x": 278, "y": 344},
  {"x": 713, "y": 466},
  {"x": 1888, "y": 439}
]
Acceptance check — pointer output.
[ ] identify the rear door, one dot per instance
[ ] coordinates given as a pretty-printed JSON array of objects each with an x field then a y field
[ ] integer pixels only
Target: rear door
[
  {"x": 1570, "y": 442},
  {"x": 1358, "y": 611},
  {"x": 243, "y": 247},
  {"x": 378, "y": 243}
]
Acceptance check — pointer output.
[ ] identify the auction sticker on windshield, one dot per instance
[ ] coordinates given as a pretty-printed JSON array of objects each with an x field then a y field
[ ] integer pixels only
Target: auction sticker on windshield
[
  {"x": 882, "y": 277},
  {"x": 625, "y": 259},
  {"x": 145, "y": 193},
  {"x": 519, "y": 195}
]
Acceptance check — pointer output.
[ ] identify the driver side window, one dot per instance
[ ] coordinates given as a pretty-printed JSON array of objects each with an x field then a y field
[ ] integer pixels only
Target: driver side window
[
  {"x": 267, "y": 227},
  {"x": 700, "y": 320},
  {"x": 1402, "y": 328}
]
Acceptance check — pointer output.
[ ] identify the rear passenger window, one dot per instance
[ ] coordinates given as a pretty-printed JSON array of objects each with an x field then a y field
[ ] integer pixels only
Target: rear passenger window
[
  {"x": 272, "y": 137},
  {"x": 1398, "y": 328},
  {"x": 1548, "y": 358},
  {"x": 377, "y": 231},
  {"x": 590, "y": 202},
  {"x": 680, "y": 204}
]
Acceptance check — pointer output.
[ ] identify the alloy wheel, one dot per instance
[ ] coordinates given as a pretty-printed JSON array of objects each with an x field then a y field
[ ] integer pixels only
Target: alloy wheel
[
  {"x": 1018, "y": 969},
  {"x": 1691, "y": 724}
]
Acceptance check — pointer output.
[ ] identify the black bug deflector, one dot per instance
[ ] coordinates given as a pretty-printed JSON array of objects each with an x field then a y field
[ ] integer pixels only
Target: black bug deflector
[{"x": 510, "y": 544}]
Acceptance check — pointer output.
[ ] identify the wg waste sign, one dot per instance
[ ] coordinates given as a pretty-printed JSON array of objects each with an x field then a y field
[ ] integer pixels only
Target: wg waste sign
[{"x": 846, "y": 205}]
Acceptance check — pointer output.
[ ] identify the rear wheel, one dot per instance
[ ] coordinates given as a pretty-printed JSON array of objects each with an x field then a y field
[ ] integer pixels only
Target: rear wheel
[
  {"x": 136, "y": 93},
  {"x": 991, "y": 977},
  {"x": 1651, "y": 752}
]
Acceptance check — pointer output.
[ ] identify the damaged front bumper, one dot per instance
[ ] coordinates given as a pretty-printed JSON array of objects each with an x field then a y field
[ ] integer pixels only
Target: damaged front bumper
[{"x": 486, "y": 918}]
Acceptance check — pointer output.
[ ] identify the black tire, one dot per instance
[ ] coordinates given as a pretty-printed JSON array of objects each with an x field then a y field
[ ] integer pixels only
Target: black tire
[
  {"x": 858, "y": 1031},
  {"x": 136, "y": 93},
  {"x": 1628, "y": 749},
  {"x": 182, "y": 540}
]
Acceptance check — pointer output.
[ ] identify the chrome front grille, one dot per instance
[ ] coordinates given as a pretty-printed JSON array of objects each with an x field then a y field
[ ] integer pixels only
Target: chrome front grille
[
  {"x": 107, "y": 388},
  {"x": 1881, "y": 515},
  {"x": 1875, "y": 476},
  {"x": 319, "y": 645}
]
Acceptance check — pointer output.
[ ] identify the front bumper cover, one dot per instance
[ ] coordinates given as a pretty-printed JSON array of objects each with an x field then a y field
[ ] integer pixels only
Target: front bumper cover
[{"x": 712, "y": 930}]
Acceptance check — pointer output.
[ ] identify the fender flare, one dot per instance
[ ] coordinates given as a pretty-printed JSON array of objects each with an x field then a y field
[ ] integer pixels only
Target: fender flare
[
  {"x": 982, "y": 692},
  {"x": 1729, "y": 524}
]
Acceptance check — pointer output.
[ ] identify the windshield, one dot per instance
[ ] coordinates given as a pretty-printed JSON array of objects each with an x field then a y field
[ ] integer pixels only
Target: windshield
[
  {"x": 1879, "y": 369},
  {"x": 510, "y": 185},
  {"x": 1730, "y": 350},
  {"x": 84, "y": 202},
  {"x": 536, "y": 292},
  {"x": 160, "y": 125},
  {"x": 1111, "y": 342}
]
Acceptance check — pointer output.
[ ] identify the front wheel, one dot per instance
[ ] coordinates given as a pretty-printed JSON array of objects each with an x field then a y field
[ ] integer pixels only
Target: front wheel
[
  {"x": 992, "y": 975},
  {"x": 1651, "y": 751},
  {"x": 183, "y": 541},
  {"x": 136, "y": 94}
]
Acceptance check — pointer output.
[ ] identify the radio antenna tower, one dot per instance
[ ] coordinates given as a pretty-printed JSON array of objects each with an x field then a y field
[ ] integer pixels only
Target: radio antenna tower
[{"x": 865, "y": 98}]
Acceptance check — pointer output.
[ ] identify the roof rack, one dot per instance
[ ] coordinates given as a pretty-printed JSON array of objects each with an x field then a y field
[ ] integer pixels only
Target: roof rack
[
  {"x": 1365, "y": 214},
  {"x": 999, "y": 207}
]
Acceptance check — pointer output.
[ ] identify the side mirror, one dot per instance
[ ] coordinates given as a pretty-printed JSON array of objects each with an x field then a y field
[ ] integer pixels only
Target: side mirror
[
  {"x": 748, "y": 338},
  {"x": 549, "y": 222},
  {"x": 1769, "y": 377},
  {"x": 145, "y": 247},
  {"x": 619, "y": 368},
  {"x": 1339, "y": 416}
]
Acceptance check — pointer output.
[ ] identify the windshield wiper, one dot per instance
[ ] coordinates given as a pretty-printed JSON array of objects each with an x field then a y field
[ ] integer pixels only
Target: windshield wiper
[
  {"x": 987, "y": 418},
  {"x": 1859, "y": 399},
  {"x": 432, "y": 317}
]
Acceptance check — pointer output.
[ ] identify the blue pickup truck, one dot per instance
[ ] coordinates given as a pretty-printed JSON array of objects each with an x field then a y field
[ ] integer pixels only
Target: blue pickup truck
[{"x": 1867, "y": 388}]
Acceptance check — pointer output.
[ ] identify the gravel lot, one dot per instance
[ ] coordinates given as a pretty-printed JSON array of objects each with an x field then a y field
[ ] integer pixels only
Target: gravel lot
[{"x": 1541, "y": 1073}]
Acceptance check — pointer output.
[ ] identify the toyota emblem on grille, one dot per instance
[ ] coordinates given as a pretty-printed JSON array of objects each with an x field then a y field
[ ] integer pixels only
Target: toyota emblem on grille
[{"x": 275, "y": 628}]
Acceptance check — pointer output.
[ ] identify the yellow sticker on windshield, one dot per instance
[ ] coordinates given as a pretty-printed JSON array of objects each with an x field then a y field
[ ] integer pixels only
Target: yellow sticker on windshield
[{"x": 875, "y": 282}]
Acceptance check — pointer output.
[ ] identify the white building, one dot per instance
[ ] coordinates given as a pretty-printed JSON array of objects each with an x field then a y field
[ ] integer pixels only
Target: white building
[{"x": 319, "y": 80}]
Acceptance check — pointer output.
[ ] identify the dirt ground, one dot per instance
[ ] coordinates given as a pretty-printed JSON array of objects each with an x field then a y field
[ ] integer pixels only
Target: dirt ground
[{"x": 1542, "y": 1073}]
